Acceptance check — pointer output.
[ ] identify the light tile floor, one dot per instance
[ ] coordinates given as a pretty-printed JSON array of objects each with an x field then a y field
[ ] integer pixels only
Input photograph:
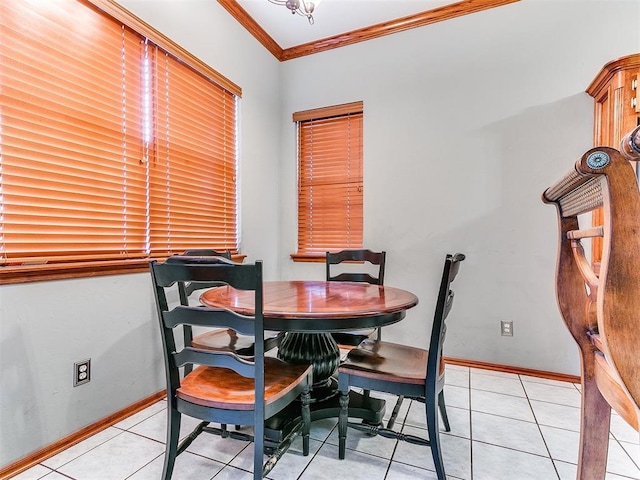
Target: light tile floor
[{"x": 504, "y": 427}]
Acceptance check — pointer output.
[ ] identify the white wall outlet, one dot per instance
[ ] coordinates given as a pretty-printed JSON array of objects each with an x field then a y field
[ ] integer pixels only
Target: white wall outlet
[
  {"x": 506, "y": 328},
  {"x": 81, "y": 372}
]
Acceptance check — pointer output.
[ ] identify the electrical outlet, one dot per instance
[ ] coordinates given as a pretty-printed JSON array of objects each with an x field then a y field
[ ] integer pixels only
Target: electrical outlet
[
  {"x": 81, "y": 372},
  {"x": 506, "y": 328}
]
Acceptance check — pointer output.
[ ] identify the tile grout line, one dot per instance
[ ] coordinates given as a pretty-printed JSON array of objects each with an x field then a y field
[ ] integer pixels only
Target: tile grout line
[
  {"x": 324, "y": 442},
  {"x": 471, "y": 473},
  {"x": 395, "y": 448},
  {"x": 544, "y": 440}
]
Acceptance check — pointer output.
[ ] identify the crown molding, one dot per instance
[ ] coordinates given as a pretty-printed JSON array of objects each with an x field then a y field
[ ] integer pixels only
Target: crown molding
[
  {"x": 446, "y": 12},
  {"x": 247, "y": 21},
  {"x": 421, "y": 19}
]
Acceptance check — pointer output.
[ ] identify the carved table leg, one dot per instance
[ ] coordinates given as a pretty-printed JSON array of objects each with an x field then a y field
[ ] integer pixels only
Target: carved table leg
[{"x": 318, "y": 349}]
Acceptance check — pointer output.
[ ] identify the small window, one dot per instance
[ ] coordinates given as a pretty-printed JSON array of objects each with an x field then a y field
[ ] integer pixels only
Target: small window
[{"x": 330, "y": 185}]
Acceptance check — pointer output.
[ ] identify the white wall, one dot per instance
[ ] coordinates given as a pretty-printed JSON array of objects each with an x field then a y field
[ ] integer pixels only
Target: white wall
[
  {"x": 466, "y": 122},
  {"x": 46, "y": 326}
]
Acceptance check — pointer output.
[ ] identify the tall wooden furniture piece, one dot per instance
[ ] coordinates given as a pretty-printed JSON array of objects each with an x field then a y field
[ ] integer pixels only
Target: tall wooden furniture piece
[
  {"x": 601, "y": 307},
  {"x": 616, "y": 94},
  {"x": 225, "y": 387},
  {"x": 348, "y": 340},
  {"x": 402, "y": 370}
]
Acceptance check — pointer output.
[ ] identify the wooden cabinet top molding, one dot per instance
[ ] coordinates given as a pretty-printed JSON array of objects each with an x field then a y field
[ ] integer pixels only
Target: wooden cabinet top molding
[
  {"x": 610, "y": 69},
  {"x": 616, "y": 112}
]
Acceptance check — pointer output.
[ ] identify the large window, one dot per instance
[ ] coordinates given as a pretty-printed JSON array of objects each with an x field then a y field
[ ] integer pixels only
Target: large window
[
  {"x": 330, "y": 189},
  {"x": 116, "y": 145}
]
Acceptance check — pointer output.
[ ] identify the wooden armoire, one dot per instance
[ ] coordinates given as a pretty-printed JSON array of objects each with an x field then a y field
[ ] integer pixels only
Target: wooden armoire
[{"x": 616, "y": 94}]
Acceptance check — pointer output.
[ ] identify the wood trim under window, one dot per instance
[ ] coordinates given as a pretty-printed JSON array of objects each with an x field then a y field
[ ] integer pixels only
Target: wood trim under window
[{"x": 330, "y": 180}]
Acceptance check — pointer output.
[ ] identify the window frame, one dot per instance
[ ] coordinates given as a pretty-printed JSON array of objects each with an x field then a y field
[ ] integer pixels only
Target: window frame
[
  {"x": 11, "y": 274},
  {"x": 304, "y": 252}
]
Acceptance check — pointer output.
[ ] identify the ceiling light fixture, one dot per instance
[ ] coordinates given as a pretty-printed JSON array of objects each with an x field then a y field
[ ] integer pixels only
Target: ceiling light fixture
[{"x": 301, "y": 7}]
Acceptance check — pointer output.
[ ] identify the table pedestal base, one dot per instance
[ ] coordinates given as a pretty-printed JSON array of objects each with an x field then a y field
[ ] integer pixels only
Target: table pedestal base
[
  {"x": 317, "y": 349},
  {"x": 321, "y": 351},
  {"x": 369, "y": 409}
]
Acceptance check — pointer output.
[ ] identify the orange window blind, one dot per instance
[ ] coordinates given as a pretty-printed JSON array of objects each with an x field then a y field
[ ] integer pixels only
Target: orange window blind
[
  {"x": 330, "y": 184},
  {"x": 193, "y": 174},
  {"x": 88, "y": 119}
]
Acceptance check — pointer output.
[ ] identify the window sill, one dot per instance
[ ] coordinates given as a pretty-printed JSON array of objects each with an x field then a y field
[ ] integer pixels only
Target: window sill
[
  {"x": 309, "y": 257},
  {"x": 59, "y": 271}
]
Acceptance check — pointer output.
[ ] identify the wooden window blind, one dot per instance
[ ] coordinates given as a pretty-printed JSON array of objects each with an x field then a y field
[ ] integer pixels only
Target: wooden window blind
[
  {"x": 330, "y": 181},
  {"x": 111, "y": 147},
  {"x": 193, "y": 193}
]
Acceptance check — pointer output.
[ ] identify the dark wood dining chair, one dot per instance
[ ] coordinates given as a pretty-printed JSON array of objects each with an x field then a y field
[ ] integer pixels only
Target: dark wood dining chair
[
  {"x": 221, "y": 338},
  {"x": 405, "y": 371},
  {"x": 351, "y": 339},
  {"x": 225, "y": 387}
]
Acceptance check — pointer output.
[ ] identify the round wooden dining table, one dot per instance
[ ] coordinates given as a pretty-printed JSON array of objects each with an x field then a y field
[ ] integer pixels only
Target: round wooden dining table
[
  {"x": 318, "y": 306},
  {"x": 307, "y": 311}
]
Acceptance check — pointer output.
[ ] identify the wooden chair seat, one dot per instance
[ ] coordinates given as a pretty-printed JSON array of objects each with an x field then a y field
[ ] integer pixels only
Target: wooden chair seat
[
  {"x": 350, "y": 340},
  {"x": 611, "y": 388},
  {"x": 228, "y": 340},
  {"x": 610, "y": 384},
  {"x": 378, "y": 359},
  {"x": 596, "y": 341},
  {"x": 223, "y": 388}
]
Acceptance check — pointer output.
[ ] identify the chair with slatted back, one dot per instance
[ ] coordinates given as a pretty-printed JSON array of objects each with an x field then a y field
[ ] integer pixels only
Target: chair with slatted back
[
  {"x": 225, "y": 387},
  {"x": 218, "y": 339},
  {"x": 405, "y": 371},
  {"x": 600, "y": 302},
  {"x": 348, "y": 340}
]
